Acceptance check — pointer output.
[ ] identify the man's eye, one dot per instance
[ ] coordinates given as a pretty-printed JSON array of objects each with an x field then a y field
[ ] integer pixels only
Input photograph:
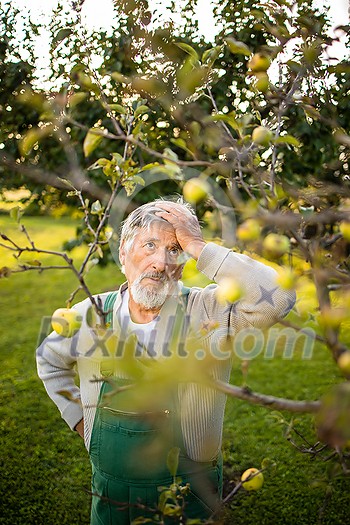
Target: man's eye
[
  {"x": 149, "y": 245},
  {"x": 174, "y": 252}
]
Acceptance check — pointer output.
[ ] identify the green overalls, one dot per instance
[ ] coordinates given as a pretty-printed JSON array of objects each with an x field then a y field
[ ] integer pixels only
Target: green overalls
[{"x": 128, "y": 452}]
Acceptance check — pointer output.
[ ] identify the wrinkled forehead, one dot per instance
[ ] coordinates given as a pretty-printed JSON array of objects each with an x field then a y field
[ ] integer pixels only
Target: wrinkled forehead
[{"x": 157, "y": 229}]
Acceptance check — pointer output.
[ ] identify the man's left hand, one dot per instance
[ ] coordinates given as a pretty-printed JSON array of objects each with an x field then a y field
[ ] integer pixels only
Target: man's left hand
[{"x": 186, "y": 226}]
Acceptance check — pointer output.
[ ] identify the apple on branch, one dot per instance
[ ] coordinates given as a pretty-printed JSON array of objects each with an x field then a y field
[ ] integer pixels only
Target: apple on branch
[
  {"x": 344, "y": 362},
  {"x": 344, "y": 228},
  {"x": 196, "y": 190},
  {"x": 249, "y": 230},
  {"x": 275, "y": 245},
  {"x": 228, "y": 291},
  {"x": 261, "y": 81},
  {"x": 66, "y": 322},
  {"x": 262, "y": 136},
  {"x": 286, "y": 278},
  {"x": 259, "y": 62}
]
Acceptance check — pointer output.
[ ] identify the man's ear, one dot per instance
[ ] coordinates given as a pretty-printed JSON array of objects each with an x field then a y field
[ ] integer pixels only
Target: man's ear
[{"x": 122, "y": 253}]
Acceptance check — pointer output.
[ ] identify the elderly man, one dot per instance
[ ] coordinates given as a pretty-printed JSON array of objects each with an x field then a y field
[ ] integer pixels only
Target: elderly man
[{"x": 129, "y": 460}]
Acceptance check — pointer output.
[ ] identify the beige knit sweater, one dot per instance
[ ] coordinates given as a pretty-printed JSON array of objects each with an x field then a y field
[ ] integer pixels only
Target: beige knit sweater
[{"x": 202, "y": 408}]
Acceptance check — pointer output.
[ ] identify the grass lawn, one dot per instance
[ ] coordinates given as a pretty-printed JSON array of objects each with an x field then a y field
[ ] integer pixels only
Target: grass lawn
[{"x": 45, "y": 471}]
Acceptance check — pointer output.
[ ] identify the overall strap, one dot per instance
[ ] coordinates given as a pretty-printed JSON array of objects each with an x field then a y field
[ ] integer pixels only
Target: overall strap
[{"x": 108, "y": 307}]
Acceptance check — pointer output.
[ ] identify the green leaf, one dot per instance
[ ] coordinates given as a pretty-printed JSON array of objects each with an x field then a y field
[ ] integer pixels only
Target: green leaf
[
  {"x": 149, "y": 166},
  {"x": 181, "y": 143},
  {"x": 172, "y": 510},
  {"x": 90, "y": 264},
  {"x": 268, "y": 463},
  {"x": 188, "y": 49},
  {"x": 61, "y": 35},
  {"x": 190, "y": 77},
  {"x": 34, "y": 262},
  {"x": 75, "y": 99},
  {"x": 170, "y": 154},
  {"x": 237, "y": 48},
  {"x": 100, "y": 163},
  {"x": 118, "y": 77},
  {"x": 171, "y": 170},
  {"x": 28, "y": 141},
  {"x": 16, "y": 213},
  {"x": 229, "y": 118},
  {"x": 294, "y": 66},
  {"x": 68, "y": 395},
  {"x": 163, "y": 498},
  {"x": 311, "y": 112},
  {"x": 288, "y": 139},
  {"x": 91, "y": 141},
  {"x": 91, "y": 317},
  {"x": 117, "y": 158},
  {"x": 129, "y": 186},
  {"x": 343, "y": 67},
  {"x": 210, "y": 55},
  {"x": 96, "y": 207},
  {"x": 85, "y": 82},
  {"x": 138, "y": 180},
  {"x": 140, "y": 520},
  {"x": 172, "y": 461},
  {"x": 118, "y": 108},
  {"x": 141, "y": 110},
  {"x": 5, "y": 271},
  {"x": 341, "y": 137},
  {"x": 99, "y": 251}
]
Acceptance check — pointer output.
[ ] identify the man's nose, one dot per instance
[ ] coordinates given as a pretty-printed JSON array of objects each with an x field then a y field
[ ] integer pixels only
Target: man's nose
[{"x": 161, "y": 261}]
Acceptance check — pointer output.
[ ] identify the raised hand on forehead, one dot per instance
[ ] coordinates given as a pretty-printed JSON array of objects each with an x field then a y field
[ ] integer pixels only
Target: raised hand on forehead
[{"x": 187, "y": 229}]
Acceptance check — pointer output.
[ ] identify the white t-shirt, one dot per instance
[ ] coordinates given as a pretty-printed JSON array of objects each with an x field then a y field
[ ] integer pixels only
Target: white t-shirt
[{"x": 146, "y": 332}]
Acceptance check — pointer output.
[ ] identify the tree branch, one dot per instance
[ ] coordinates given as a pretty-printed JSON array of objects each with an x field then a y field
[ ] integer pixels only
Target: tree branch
[{"x": 275, "y": 403}]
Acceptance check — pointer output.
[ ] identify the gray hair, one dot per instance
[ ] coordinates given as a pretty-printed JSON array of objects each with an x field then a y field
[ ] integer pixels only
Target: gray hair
[{"x": 143, "y": 216}]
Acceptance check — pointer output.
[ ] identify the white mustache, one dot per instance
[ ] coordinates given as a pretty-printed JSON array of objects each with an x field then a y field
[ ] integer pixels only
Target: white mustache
[{"x": 161, "y": 276}]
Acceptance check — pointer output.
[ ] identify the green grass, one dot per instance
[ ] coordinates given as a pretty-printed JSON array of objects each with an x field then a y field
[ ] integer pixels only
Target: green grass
[{"x": 45, "y": 471}]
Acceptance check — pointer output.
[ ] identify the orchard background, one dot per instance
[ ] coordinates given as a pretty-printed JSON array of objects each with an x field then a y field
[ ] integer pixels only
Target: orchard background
[{"x": 260, "y": 115}]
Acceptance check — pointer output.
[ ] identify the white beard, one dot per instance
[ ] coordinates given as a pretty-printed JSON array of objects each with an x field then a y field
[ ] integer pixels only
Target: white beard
[{"x": 149, "y": 297}]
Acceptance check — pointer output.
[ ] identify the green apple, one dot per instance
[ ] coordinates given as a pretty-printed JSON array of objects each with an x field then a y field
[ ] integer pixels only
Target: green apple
[
  {"x": 256, "y": 482},
  {"x": 344, "y": 362},
  {"x": 344, "y": 228},
  {"x": 66, "y": 322},
  {"x": 286, "y": 278},
  {"x": 262, "y": 81},
  {"x": 196, "y": 190},
  {"x": 229, "y": 290},
  {"x": 259, "y": 62},
  {"x": 212, "y": 220},
  {"x": 275, "y": 245},
  {"x": 332, "y": 317},
  {"x": 262, "y": 136},
  {"x": 249, "y": 230}
]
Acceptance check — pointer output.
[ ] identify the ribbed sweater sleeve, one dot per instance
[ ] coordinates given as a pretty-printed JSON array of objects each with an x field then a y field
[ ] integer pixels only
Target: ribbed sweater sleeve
[
  {"x": 56, "y": 359},
  {"x": 263, "y": 302}
]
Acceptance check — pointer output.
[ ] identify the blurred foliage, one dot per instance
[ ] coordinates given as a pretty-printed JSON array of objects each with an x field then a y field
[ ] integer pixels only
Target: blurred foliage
[{"x": 262, "y": 112}]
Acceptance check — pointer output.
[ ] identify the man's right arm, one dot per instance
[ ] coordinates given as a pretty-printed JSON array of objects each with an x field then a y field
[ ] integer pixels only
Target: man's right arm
[
  {"x": 55, "y": 364},
  {"x": 56, "y": 359}
]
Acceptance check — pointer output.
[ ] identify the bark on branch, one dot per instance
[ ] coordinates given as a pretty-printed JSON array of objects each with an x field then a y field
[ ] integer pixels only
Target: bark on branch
[{"x": 275, "y": 403}]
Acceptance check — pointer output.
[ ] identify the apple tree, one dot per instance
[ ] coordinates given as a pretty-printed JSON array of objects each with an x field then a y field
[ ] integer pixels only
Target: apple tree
[{"x": 261, "y": 113}]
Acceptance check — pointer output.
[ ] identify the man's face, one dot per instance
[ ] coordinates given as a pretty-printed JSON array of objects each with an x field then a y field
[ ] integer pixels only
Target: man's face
[{"x": 151, "y": 263}]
